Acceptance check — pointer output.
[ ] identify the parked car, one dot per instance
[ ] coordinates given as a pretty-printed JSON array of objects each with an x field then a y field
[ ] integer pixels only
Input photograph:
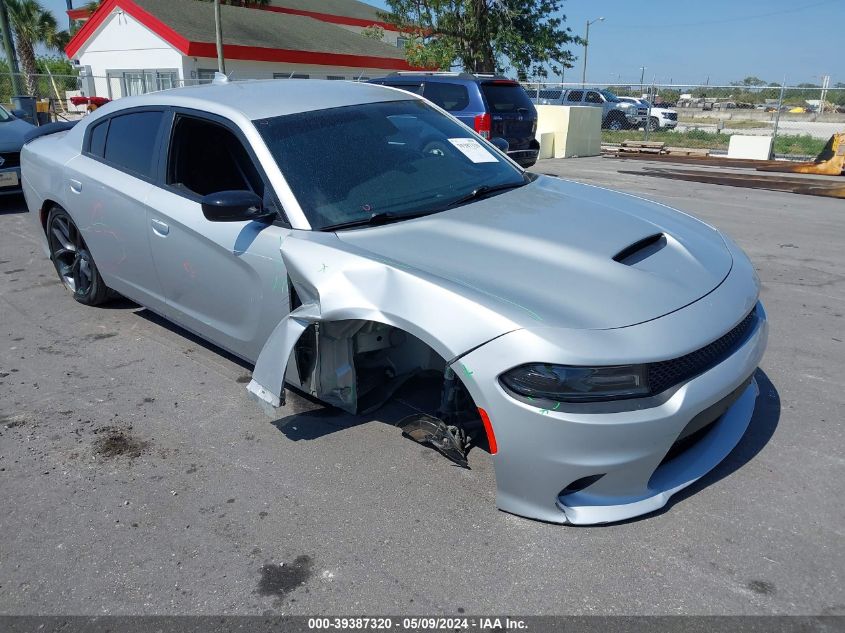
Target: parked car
[
  {"x": 13, "y": 131},
  {"x": 658, "y": 118},
  {"x": 495, "y": 107},
  {"x": 344, "y": 237},
  {"x": 616, "y": 114}
]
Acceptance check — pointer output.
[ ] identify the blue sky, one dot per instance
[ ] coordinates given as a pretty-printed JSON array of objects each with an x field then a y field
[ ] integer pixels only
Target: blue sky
[{"x": 687, "y": 42}]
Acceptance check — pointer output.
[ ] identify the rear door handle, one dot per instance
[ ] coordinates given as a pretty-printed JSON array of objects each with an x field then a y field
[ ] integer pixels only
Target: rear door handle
[
  {"x": 160, "y": 227},
  {"x": 75, "y": 186}
]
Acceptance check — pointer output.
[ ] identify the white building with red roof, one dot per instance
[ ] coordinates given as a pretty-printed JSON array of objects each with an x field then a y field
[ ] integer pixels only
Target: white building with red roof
[{"x": 137, "y": 46}]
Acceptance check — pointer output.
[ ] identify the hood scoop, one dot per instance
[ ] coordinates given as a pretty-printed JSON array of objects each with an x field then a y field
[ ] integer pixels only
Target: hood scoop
[{"x": 641, "y": 249}]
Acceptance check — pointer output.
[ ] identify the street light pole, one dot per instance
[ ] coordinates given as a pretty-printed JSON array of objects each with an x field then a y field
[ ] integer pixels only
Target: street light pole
[
  {"x": 642, "y": 78},
  {"x": 218, "y": 35},
  {"x": 586, "y": 44}
]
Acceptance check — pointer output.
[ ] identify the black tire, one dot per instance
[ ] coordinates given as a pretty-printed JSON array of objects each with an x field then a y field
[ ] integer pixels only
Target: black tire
[
  {"x": 653, "y": 124},
  {"x": 74, "y": 264}
]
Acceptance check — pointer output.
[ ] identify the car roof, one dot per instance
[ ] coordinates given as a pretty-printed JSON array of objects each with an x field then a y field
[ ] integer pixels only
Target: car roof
[
  {"x": 442, "y": 77},
  {"x": 261, "y": 99}
]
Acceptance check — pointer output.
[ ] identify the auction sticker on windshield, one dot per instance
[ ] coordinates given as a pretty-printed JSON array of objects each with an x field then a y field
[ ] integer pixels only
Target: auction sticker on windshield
[{"x": 473, "y": 150}]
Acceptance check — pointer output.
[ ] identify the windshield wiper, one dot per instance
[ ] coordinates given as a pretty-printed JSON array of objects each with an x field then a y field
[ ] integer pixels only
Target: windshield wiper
[
  {"x": 375, "y": 219},
  {"x": 484, "y": 190}
]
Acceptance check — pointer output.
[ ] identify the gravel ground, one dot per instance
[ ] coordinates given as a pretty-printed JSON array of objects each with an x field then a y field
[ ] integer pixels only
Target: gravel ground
[{"x": 138, "y": 478}]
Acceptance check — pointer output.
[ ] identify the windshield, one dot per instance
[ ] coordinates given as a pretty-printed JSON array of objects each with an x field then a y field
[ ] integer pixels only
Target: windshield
[
  {"x": 397, "y": 158},
  {"x": 5, "y": 115},
  {"x": 609, "y": 95}
]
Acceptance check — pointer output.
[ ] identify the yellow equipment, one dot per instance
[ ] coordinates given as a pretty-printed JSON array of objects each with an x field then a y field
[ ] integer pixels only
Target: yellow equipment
[{"x": 830, "y": 162}]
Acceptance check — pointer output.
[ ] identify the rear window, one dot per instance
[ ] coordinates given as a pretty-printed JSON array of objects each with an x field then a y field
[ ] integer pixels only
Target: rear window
[
  {"x": 450, "y": 97},
  {"x": 506, "y": 98},
  {"x": 575, "y": 96},
  {"x": 131, "y": 141}
]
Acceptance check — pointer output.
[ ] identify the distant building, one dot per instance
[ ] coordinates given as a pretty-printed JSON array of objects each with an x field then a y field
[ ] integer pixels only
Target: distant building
[{"x": 136, "y": 46}]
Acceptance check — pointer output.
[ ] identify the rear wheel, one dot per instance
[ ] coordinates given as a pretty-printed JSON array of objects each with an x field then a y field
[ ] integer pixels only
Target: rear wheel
[{"x": 73, "y": 262}]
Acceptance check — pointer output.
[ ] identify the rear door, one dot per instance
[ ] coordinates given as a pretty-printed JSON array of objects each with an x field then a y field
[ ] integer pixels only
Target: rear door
[
  {"x": 452, "y": 97},
  {"x": 109, "y": 186},
  {"x": 514, "y": 117}
]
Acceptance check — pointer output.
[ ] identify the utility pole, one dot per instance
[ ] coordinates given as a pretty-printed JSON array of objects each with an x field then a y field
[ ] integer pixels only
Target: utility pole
[
  {"x": 218, "y": 28},
  {"x": 69, "y": 19},
  {"x": 9, "y": 49},
  {"x": 642, "y": 78},
  {"x": 586, "y": 44}
]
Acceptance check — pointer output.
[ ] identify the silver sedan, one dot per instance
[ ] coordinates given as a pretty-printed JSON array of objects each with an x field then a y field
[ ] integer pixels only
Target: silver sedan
[{"x": 345, "y": 238}]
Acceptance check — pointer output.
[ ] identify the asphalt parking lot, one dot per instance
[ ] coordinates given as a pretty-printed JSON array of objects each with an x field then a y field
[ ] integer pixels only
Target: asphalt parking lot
[{"x": 136, "y": 477}]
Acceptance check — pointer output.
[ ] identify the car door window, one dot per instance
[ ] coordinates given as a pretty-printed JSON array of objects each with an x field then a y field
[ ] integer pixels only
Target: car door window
[
  {"x": 450, "y": 97},
  {"x": 131, "y": 141},
  {"x": 206, "y": 157},
  {"x": 593, "y": 97},
  {"x": 575, "y": 96}
]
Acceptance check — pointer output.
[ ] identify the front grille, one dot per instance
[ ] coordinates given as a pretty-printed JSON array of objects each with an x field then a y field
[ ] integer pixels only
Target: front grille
[
  {"x": 672, "y": 116},
  {"x": 668, "y": 373},
  {"x": 642, "y": 111},
  {"x": 10, "y": 159}
]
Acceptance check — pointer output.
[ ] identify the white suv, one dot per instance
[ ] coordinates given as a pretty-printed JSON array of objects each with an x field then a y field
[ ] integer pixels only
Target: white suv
[{"x": 661, "y": 118}]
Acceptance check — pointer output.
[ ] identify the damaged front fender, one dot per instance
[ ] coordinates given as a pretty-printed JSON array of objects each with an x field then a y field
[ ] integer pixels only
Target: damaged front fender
[{"x": 345, "y": 290}]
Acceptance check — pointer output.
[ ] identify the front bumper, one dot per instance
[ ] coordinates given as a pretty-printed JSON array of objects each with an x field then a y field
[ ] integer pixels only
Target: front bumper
[{"x": 541, "y": 452}]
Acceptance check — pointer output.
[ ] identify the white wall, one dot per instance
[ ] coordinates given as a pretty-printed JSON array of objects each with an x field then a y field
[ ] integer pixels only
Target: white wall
[{"x": 123, "y": 43}]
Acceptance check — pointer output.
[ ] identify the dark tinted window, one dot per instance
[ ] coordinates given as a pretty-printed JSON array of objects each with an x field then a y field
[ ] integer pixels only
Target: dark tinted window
[
  {"x": 575, "y": 96},
  {"x": 98, "y": 139},
  {"x": 131, "y": 141},
  {"x": 506, "y": 97},
  {"x": 206, "y": 158},
  {"x": 416, "y": 88},
  {"x": 593, "y": 97},
  {"x": 450, "y": 97}
]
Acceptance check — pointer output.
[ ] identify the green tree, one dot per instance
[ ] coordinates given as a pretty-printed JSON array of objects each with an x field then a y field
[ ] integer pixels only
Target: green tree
[
  {"x": 33, "y": 25},
  {"x": 484, "y": 35}
]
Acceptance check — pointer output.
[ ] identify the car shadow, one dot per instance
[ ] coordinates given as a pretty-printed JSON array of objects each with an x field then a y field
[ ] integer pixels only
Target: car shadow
[
  {"x": 415, "y": 396},
  {"x": 152, "y": 317},
  {"x": 764, "y": 422},
  {"x": 12, "y": 203}
]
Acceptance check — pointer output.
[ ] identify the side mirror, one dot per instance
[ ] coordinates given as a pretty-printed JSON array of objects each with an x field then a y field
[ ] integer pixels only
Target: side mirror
[
  {"x": 233, "y": 206},
  {"x": 501, "y": 144}
]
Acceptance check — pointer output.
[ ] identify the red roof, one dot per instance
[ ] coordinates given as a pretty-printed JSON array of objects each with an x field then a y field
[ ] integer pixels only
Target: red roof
[{"x": 193, "y": 48}]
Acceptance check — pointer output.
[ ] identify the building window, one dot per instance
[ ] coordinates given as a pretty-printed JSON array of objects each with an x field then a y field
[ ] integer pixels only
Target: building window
[
  {"x": 290, "y": 76},
  {"x": 125, "y": 83},
  {"x": 205, "y": 75},
  {"x": 401, "y": 42}
]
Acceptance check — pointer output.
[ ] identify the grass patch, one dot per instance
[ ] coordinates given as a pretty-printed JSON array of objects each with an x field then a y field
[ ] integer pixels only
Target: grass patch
[
  {"x": 702, "y": 139},
  {"x": 735, "y": 124}
]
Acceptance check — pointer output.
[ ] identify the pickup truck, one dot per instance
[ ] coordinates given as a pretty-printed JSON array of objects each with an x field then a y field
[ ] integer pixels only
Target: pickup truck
[{"x": 616, "y": 114}]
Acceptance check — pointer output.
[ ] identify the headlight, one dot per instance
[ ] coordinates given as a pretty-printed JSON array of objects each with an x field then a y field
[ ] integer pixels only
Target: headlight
[{"x": 577, "y": 384}]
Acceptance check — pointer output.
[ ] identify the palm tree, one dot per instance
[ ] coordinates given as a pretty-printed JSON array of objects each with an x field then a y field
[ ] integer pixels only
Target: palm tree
[{"x": 32, "y": 25}]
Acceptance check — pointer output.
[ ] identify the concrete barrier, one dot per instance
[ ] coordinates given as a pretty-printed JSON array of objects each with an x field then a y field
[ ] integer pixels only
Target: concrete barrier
[
  {"x": 757, "y": 147},
  {"x": 576, "y": 130}
]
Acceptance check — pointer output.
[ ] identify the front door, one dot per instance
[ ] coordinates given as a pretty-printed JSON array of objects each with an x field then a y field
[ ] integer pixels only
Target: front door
[{"x": 222, "y": 280}]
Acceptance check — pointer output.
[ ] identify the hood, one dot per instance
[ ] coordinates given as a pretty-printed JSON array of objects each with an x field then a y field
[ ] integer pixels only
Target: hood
[{"x": 548, "y": 249}]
